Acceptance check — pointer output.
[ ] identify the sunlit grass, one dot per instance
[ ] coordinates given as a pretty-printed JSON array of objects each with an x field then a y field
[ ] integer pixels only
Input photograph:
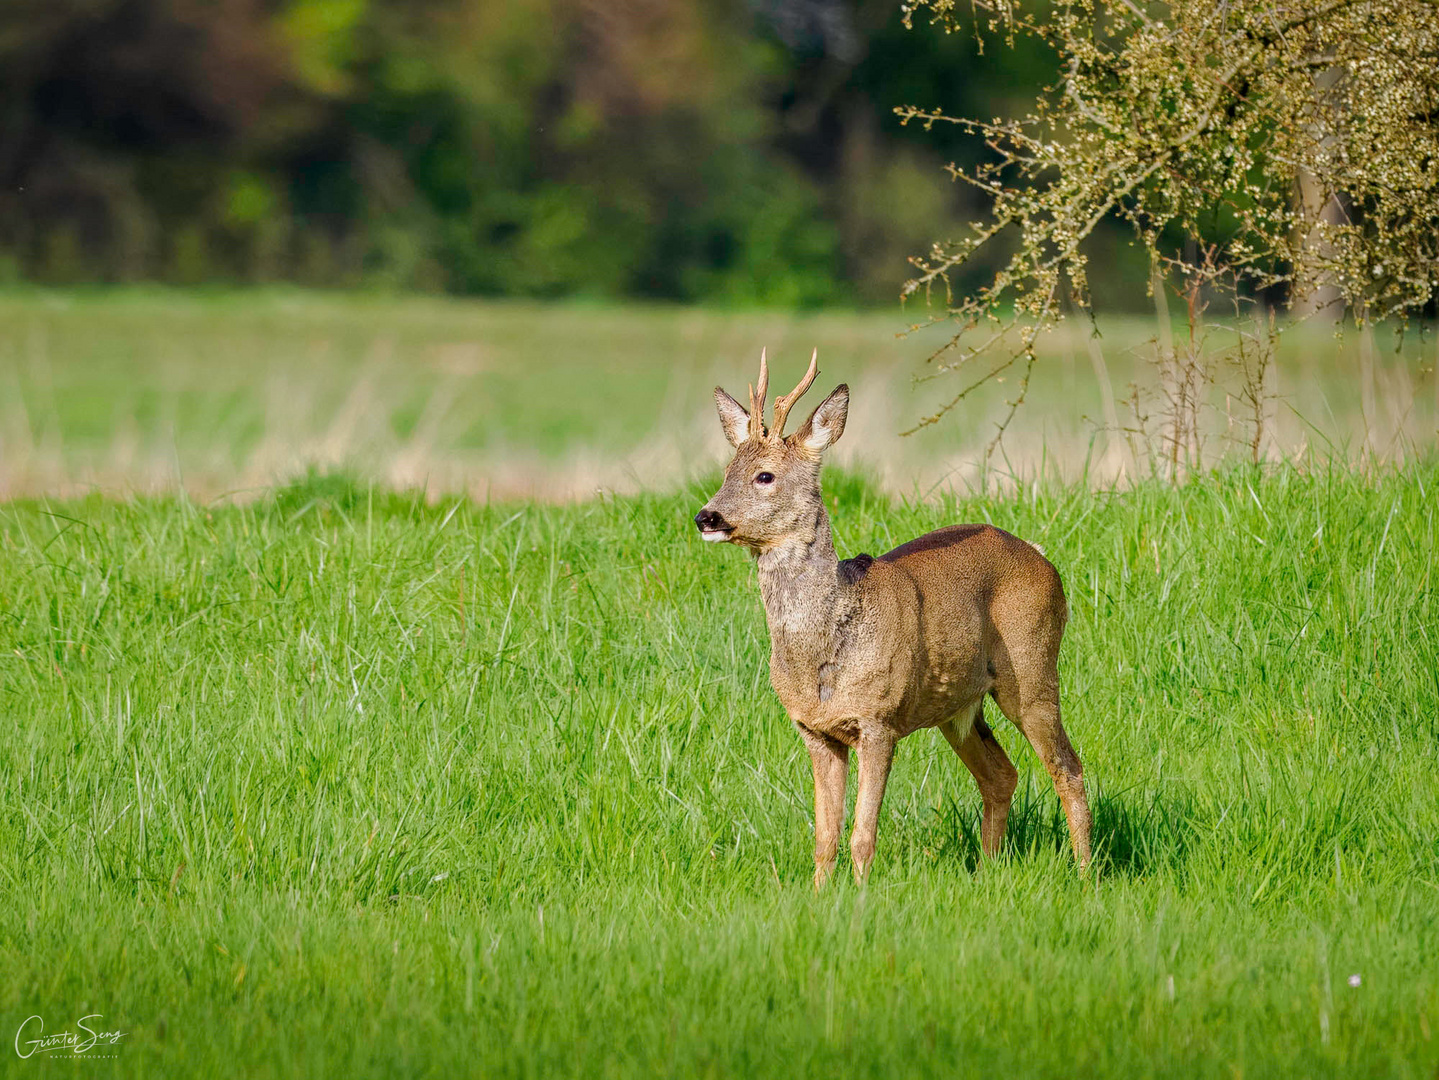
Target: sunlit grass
[
  {"x": 340, "y": 781},
  {"x": 151, "y": 391}
]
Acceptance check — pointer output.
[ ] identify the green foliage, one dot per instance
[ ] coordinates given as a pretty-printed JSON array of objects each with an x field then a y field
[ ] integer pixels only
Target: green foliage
[
  {"x": 692, "y": 149},
  {"x": 1263, "y": 146},
  {"x": 342, "y": 782},
  {"x": 1199, "y": 118}
]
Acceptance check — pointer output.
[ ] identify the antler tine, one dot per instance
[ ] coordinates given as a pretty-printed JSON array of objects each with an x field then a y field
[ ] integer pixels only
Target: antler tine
[
  {"x": 756, "y": 398},
  {"x": 784, "y": 404}
]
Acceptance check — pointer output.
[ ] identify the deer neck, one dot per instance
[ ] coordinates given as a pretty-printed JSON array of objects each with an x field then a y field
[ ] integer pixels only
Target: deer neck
[{"x": 804, "y": 602}]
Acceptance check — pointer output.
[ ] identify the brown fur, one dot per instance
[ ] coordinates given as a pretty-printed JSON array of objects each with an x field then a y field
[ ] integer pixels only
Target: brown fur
[{"x": 866, "y": 651}]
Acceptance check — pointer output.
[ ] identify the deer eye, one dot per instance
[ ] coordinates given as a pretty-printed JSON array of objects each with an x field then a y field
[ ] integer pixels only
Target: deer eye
[{"x": 764, "y": 478}]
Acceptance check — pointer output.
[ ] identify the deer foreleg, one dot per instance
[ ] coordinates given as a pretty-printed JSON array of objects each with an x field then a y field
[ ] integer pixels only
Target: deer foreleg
[
  {"x": 876, "y": 754},
  {"x": 831, "y": 771}
]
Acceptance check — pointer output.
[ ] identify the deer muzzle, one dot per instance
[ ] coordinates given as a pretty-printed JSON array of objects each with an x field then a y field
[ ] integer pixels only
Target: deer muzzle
[{"x": 712, "y": 525}]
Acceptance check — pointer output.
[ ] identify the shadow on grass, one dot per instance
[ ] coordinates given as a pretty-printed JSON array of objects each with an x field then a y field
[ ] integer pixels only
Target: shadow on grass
[{"x": 1134, "y": 834}]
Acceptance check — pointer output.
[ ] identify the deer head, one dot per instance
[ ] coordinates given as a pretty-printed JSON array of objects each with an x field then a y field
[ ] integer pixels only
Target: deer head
[{"x": 770, "y": 495}]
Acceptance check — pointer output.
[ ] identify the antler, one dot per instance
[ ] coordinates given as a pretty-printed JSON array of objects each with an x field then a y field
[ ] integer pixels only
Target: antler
[
  {"x": 784, "y": 404},
  {"x": 756, "y": 399}
]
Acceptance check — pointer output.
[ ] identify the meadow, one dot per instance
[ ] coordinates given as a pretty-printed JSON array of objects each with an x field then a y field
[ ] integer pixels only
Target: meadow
[
  {"x": 330, "y": 777},
  {"x": 226, "y": 394}
]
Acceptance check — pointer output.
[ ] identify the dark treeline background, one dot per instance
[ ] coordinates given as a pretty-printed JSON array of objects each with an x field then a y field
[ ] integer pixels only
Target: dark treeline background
[{"x": 740, "y": 151}]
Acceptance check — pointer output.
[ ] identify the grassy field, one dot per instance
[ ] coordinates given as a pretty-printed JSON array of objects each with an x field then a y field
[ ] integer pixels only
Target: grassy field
[
  {"x": 340, "y": 782},
  {"x": 146, "y": 391}
]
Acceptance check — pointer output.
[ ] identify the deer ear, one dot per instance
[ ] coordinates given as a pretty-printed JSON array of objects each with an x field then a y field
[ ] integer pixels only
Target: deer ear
[
  {"x": 734, "y": 418},
  {"x": 825, "y": 425}
]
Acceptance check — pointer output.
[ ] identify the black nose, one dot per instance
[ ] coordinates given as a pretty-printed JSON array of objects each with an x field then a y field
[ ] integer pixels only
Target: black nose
[{"x": 710, "y": 520}]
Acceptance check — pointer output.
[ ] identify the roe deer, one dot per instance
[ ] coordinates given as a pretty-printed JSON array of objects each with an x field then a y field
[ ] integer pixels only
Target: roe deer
[{"x": 865, "y": 651}]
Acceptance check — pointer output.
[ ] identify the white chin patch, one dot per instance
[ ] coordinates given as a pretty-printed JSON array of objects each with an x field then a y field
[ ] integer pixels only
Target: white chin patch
[{"x": 715, "y": 536}]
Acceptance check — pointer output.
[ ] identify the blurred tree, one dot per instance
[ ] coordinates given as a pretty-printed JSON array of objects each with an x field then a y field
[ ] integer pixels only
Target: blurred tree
[
  {"x": 733, "y": 150},
  {"x": 1193, "y": 123},
  {"x": 111, "y": 113}
]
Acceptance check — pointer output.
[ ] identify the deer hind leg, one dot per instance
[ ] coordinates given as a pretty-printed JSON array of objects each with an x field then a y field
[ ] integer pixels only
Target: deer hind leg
[
  {"x": 993, "y": 772},
  {"x": 1031, "y": 701}
]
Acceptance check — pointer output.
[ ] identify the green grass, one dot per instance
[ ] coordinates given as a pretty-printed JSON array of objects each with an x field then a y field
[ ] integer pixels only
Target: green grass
[
  {"x": 341, "y": 783},
  {"x": 143, "y": 390}
]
